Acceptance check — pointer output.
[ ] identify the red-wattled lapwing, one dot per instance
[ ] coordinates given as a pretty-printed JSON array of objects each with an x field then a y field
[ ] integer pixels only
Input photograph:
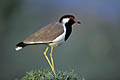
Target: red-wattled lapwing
[{"x": 52, "y": 35}]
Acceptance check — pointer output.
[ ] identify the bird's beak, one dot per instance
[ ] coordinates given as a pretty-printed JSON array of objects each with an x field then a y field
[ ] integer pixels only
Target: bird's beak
[
  {"x": 76, "y": 21},
  {"x": 79, "y": 22}
]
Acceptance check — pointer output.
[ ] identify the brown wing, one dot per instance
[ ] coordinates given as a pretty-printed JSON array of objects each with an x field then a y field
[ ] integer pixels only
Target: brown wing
[{"x": 46, "y": 34}]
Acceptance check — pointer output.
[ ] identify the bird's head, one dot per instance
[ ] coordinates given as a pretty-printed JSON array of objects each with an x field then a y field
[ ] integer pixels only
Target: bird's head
[{"x": 70, "y": 19}]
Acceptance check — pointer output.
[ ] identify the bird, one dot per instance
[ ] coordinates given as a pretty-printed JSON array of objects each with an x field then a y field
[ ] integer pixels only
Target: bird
[{"x": 52, "y": 35}]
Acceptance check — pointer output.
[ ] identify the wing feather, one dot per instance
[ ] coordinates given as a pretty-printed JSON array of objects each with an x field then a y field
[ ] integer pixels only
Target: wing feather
[{"x": 46, "y": 34}]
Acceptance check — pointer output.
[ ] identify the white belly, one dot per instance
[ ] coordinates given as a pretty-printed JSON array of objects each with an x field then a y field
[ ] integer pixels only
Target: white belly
[{"x": 59, "y": 40}]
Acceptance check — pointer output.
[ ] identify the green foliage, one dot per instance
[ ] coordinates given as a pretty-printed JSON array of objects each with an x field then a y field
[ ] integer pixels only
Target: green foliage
[{"x": 47, "y": 75}]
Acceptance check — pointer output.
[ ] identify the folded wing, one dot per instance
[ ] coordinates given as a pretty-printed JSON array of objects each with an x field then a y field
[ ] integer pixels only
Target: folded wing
[{"x": 46, "y": 34}]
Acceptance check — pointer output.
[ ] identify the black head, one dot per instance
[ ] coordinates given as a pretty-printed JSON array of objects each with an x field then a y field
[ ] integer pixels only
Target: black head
[{"x": 68, "y": 19}]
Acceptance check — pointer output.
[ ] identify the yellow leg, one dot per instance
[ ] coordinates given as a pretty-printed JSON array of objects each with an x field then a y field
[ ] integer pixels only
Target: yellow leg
[
  {"x": 47, "y": 56},
  {"x": 51, "y": 53},
  {"x": 52, "y": 66}
]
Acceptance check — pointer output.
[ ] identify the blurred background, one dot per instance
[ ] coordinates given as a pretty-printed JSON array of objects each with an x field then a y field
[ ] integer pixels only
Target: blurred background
[{"x": 93, "y": 49}]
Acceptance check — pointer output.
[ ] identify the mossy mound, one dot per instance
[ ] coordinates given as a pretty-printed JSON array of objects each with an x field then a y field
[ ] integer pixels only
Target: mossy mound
[{"x": 48, "y": 75}]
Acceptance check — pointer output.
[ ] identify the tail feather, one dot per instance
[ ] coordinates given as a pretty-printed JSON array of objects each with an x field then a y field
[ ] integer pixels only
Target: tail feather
[{"x": 19, "y": 46}]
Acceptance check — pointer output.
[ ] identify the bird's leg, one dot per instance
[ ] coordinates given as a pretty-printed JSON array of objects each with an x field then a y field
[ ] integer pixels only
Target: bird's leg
[
  {"x": 51, "y": 53},
  {"x": 47, "y": 57}
]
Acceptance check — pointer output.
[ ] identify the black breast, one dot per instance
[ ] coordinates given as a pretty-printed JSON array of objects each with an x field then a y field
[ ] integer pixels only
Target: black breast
[{"x": 68, "y": 30}]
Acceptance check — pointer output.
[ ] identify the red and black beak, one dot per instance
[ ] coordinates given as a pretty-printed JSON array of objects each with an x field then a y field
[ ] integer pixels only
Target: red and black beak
[{"x": 76, "y": 21}]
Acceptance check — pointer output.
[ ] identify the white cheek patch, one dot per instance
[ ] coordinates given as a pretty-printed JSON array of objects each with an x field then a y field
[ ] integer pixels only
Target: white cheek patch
[{"x": 65, "y": 20}]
